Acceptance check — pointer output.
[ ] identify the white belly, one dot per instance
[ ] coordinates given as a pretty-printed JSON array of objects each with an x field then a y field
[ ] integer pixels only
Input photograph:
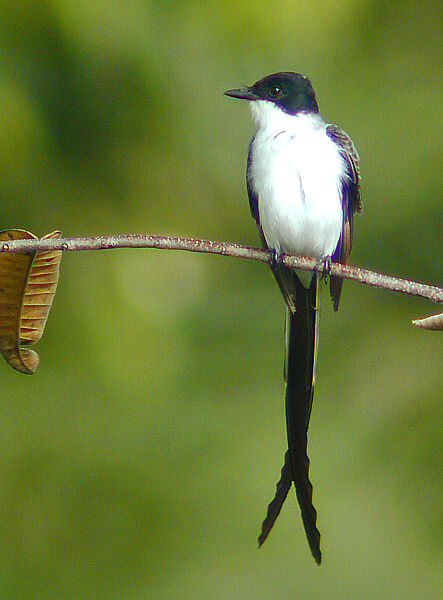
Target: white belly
[{"x": 298, "y": 175}]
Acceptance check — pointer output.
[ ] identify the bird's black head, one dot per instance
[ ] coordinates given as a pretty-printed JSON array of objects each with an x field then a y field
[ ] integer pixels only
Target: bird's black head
[{"x": 292, "y": 92}]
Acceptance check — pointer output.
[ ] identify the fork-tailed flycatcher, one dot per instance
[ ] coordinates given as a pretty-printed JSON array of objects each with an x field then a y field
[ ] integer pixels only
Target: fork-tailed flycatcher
[{"x": 303, "y": 183}]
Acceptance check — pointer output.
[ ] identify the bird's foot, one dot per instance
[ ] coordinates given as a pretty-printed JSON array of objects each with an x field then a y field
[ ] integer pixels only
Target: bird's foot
[
  {"x": 324, "y": 266},
  {"x": 276, "y": 257}
]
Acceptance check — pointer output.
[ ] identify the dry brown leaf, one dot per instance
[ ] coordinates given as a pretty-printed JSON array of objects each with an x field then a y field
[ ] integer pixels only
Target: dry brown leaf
[
  {"x": 27, "y": 287},
  {"x": 433, "y": 322}
]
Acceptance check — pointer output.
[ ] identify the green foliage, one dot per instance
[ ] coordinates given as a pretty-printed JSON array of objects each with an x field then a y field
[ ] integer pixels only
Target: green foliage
[{"x": 138, "y": 461}]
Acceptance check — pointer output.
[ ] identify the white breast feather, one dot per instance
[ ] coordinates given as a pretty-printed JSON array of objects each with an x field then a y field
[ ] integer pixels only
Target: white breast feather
[{"x": 297, "y": 173}]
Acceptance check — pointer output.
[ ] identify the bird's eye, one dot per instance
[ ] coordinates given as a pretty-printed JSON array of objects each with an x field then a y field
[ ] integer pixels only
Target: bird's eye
[{"x": 274, "y": 91}]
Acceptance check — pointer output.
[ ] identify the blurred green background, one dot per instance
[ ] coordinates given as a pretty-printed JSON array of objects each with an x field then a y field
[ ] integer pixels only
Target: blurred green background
[{"x": 138, "y": 461}]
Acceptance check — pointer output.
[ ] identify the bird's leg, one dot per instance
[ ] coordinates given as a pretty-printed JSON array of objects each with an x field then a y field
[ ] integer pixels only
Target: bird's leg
[
  {"x": 324, "y": 266},
  {"x": 276, "y": 257}
]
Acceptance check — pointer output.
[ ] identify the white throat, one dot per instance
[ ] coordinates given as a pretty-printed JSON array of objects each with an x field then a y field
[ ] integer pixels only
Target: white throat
[{"x": 272, "y": 119}]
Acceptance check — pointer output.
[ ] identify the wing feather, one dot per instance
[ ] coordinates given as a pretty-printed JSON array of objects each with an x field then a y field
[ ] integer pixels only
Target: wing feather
[
  {"x": 253, "y": 198},
  {"x": 351, "y": 202}
]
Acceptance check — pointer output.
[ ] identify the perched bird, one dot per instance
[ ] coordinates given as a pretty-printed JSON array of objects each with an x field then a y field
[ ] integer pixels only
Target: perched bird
[{"x": 303, "y": 183}]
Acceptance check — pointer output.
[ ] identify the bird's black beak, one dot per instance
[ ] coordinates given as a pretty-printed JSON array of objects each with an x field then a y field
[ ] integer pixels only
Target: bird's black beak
[{"x": 244, "y": 93}]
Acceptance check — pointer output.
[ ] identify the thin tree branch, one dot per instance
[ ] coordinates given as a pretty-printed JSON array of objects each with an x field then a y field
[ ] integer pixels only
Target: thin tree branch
[{"x": 107, "y": 242}]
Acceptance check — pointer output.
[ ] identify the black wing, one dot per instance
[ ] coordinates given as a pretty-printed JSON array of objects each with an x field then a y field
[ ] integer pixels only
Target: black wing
[
  {"x": 253, "y": 198},
  {"x": 351, "y": 202}
]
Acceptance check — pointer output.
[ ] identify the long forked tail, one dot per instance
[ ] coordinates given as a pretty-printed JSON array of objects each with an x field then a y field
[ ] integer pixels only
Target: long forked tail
[
  {"x": 300, "y": 373},
  {"x": 301, "y": 341}
]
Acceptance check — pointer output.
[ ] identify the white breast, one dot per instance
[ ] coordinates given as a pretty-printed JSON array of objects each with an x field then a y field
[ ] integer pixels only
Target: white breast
[{"x": 297, "y": 173}]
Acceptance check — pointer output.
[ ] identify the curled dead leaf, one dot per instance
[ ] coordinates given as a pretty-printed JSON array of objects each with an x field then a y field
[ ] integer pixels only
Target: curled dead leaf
[
  {"x": 27, "y": 287},
  {"x": 433, "y": 322}
]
